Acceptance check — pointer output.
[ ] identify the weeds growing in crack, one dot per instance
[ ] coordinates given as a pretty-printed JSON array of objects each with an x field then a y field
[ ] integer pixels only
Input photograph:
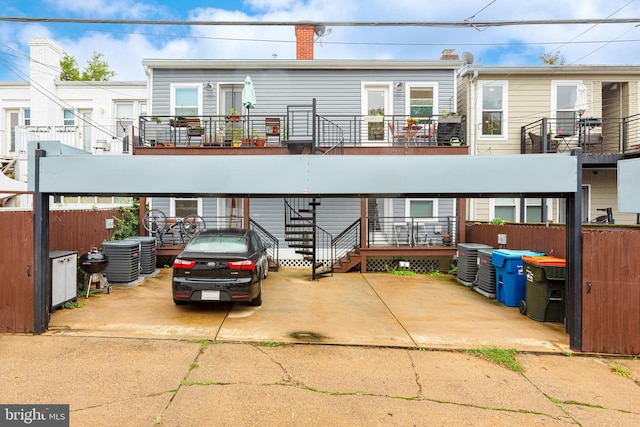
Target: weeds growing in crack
[
  {"x": 202, "y": 383},
  {"x": 617, "y": 369},
  {"x": 271, "y": 344},
  {"x": 203, "y": 343},
  {"x": 499, "y": 356}
]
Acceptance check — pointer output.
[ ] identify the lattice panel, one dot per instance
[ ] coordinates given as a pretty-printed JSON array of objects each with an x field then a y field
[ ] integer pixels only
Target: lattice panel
[{"x": 419, "y": 265}]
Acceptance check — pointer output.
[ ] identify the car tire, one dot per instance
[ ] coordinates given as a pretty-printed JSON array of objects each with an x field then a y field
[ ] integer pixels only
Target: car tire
[
  {"x": 178, "y": 302},
  {"x": 257, "y": 301}
]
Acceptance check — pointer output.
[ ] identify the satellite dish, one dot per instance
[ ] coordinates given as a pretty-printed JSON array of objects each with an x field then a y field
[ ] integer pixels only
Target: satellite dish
[
  {"x": 320, "y": 30},
  {"x": 467, "y": 57}
]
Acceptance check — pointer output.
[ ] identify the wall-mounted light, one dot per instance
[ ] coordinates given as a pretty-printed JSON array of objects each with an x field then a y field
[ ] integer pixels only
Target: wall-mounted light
[
  {"x": 400, "y": 86},
  {"x": 208, "y": 86}
]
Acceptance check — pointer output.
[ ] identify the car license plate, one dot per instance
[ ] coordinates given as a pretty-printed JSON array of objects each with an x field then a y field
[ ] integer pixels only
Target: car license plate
[{"x": 210, "y": 295}]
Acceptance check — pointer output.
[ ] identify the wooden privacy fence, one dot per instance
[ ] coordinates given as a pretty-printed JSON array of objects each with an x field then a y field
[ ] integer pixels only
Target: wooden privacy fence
[
  {"x": 68, "y": 230},
  {"x": 610, "y": 277}
]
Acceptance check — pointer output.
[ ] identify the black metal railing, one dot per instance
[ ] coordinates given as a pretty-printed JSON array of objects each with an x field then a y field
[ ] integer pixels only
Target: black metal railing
[
  {"x": 212, "y": 130},
  {"x": 347, "y": 241},
  {"x": 593, "y": 135},
  {"x": 330, "y": 137},
  {"x": 273, "y": 251},
  {"x": 327, "y": 133},
  {"x": 403, "y": 231}
]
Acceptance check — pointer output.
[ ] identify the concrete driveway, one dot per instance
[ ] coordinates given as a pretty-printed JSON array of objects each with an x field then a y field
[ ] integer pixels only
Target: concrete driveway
[{"x": 372, "y": 309}]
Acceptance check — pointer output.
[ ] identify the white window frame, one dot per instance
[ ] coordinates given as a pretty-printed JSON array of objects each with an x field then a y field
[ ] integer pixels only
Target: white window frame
[
  {"x": 172, "y": 96},
  {"x": 527, "y": 204},
  {"x": 407, "y": 209},
  {"x": 26, "y": 116},
  {"x": 505, "y": 109},
  {"x": 172, "y": 204},
  {"x": 65, "y": 123},
  {"x": 555, "y": 84},
  {"x": 421, "y": 85},
  {"x": 492, "y": 208}
]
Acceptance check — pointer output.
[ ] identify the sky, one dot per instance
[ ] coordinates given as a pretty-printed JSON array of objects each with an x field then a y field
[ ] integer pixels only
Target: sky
[{"x": 125, "y": 46}]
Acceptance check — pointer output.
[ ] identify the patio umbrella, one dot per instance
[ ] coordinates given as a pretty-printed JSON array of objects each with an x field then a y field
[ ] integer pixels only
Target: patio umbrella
[
  {"x": 248, "y": 98},
  {"x": 581, "y": 99},
  {"x": 581, "y": 106}
]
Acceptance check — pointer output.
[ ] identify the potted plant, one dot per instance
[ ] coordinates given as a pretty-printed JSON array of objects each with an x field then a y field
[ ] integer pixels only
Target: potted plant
[
  {"x": 234, "y": 115},
  {"x": 259, "y": 138}
]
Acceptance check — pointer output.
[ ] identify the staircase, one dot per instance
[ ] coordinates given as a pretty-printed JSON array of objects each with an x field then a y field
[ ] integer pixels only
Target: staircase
[{"x": 308, "y": 239}]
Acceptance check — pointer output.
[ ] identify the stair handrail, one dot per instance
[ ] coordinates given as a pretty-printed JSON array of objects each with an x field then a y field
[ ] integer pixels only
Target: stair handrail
[
  {"x": 329, "y": 131},
  {"x": 347, "y": 240},
  {"x": 324, "y": 255},
  {"x": 274, "y": 249}
]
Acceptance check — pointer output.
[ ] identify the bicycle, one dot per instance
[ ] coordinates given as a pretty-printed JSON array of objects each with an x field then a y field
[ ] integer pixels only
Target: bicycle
[
  {"x": 157, "y": 224},
  {"x": 604, "y": 219}
]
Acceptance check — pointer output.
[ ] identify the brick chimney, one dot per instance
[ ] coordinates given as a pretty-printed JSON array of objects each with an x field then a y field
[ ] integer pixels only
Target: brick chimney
[
  {"x": 304, "y": 41},
  {"x": 449, "y": 55}
]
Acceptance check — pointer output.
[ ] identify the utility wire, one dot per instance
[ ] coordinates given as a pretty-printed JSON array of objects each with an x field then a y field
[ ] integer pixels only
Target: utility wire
[{"x": 454, "y": 24}]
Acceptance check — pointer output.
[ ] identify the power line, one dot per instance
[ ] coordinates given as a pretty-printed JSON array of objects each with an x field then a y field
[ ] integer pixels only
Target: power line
[{"x": 452, "y": 24}]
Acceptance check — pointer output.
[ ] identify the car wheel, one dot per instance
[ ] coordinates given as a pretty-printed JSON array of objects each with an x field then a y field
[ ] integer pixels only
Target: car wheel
[
  {"x": 257, "y": 301},
  {"x": 178, "y": 302}
]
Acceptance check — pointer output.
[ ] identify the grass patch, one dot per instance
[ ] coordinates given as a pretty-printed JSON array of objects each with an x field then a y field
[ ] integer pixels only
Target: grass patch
[
  {"x": 270, "y": 344},
  {"x": 434, "y": 273},
  {"x": 617, "y": 369},
  {"x": 74, "y": 304},
  {"x": 397, "y": 271},
  {"x": 498, "y": 356}
]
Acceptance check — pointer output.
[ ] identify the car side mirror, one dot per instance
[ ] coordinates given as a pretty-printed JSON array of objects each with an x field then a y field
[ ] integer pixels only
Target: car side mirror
[{"x": 267, "y": 245}]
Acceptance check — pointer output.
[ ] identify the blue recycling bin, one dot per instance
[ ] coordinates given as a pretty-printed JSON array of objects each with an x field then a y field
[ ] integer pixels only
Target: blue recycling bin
[{"x": 511, "y": 284}]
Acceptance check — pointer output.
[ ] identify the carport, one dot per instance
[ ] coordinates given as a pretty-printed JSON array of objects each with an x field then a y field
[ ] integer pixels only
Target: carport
[{"x": 56, "y": 169}]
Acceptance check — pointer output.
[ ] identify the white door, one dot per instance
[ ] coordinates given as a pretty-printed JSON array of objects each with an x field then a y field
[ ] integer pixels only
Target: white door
[
  {"x": 87, "y": 130},
  {"x": 375, "y": 105}
]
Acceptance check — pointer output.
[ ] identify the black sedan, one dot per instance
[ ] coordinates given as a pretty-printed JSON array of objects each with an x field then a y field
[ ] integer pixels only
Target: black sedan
[{"x": 221, "y": 265}]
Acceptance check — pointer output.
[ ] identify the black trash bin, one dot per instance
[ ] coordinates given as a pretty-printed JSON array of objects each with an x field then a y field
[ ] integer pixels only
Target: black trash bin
[{"x": 544, "y": 300}]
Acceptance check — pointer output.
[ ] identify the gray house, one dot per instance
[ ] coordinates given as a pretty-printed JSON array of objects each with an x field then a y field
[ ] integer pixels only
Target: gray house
[{"x": 312, "y": 107}]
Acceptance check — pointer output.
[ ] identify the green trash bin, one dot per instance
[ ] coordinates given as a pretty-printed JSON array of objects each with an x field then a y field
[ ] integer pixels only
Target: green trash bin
[{"x": 544, "y": 299}]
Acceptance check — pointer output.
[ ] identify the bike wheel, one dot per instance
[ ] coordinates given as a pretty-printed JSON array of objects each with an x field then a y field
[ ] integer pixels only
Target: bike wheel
[
  {"x": 191, "y": 224},
  {"x": 154, "y": 221}
]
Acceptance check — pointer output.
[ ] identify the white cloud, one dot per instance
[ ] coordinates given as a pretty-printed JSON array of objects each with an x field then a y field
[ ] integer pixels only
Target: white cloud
[{"x": 125, "y": 51}]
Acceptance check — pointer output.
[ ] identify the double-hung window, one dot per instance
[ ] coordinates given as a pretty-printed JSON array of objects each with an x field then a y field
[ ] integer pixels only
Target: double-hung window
[
  {"x": 564, "y": 104},
  {"x": 421, "y": 100},
  {"x": 493, "y": 97},
  {"x": 185, "y": 99}
]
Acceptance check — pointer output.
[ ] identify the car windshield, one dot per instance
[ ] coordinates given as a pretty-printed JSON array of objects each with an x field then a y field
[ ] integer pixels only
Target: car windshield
[{"x": 222, "y": 244}]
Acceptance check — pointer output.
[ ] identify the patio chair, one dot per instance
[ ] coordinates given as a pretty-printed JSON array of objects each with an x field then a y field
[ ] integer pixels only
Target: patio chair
[
  {"x": 401, "y": 137},
  {"x": 593, "y": 143},
  {"x": 536, "y": 144}
]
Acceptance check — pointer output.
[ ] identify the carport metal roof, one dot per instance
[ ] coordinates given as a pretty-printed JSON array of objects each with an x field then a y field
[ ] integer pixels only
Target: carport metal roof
[{"x": 55, "y": 168}]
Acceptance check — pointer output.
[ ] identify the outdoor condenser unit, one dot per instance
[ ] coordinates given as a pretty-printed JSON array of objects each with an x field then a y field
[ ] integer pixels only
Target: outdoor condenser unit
[
  {"x": 124, "y": 260},
  {"x": 468, "y": 261},
  {"x": 486, "y": 284},
  {"x": 148, "y": 253}
]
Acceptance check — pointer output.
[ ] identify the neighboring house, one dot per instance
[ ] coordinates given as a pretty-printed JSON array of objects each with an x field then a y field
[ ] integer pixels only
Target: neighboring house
[
  {"x": 525, "y": 110},
  {"x": 97, "y": 117},
  {"x": 323, "y": 107}
]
